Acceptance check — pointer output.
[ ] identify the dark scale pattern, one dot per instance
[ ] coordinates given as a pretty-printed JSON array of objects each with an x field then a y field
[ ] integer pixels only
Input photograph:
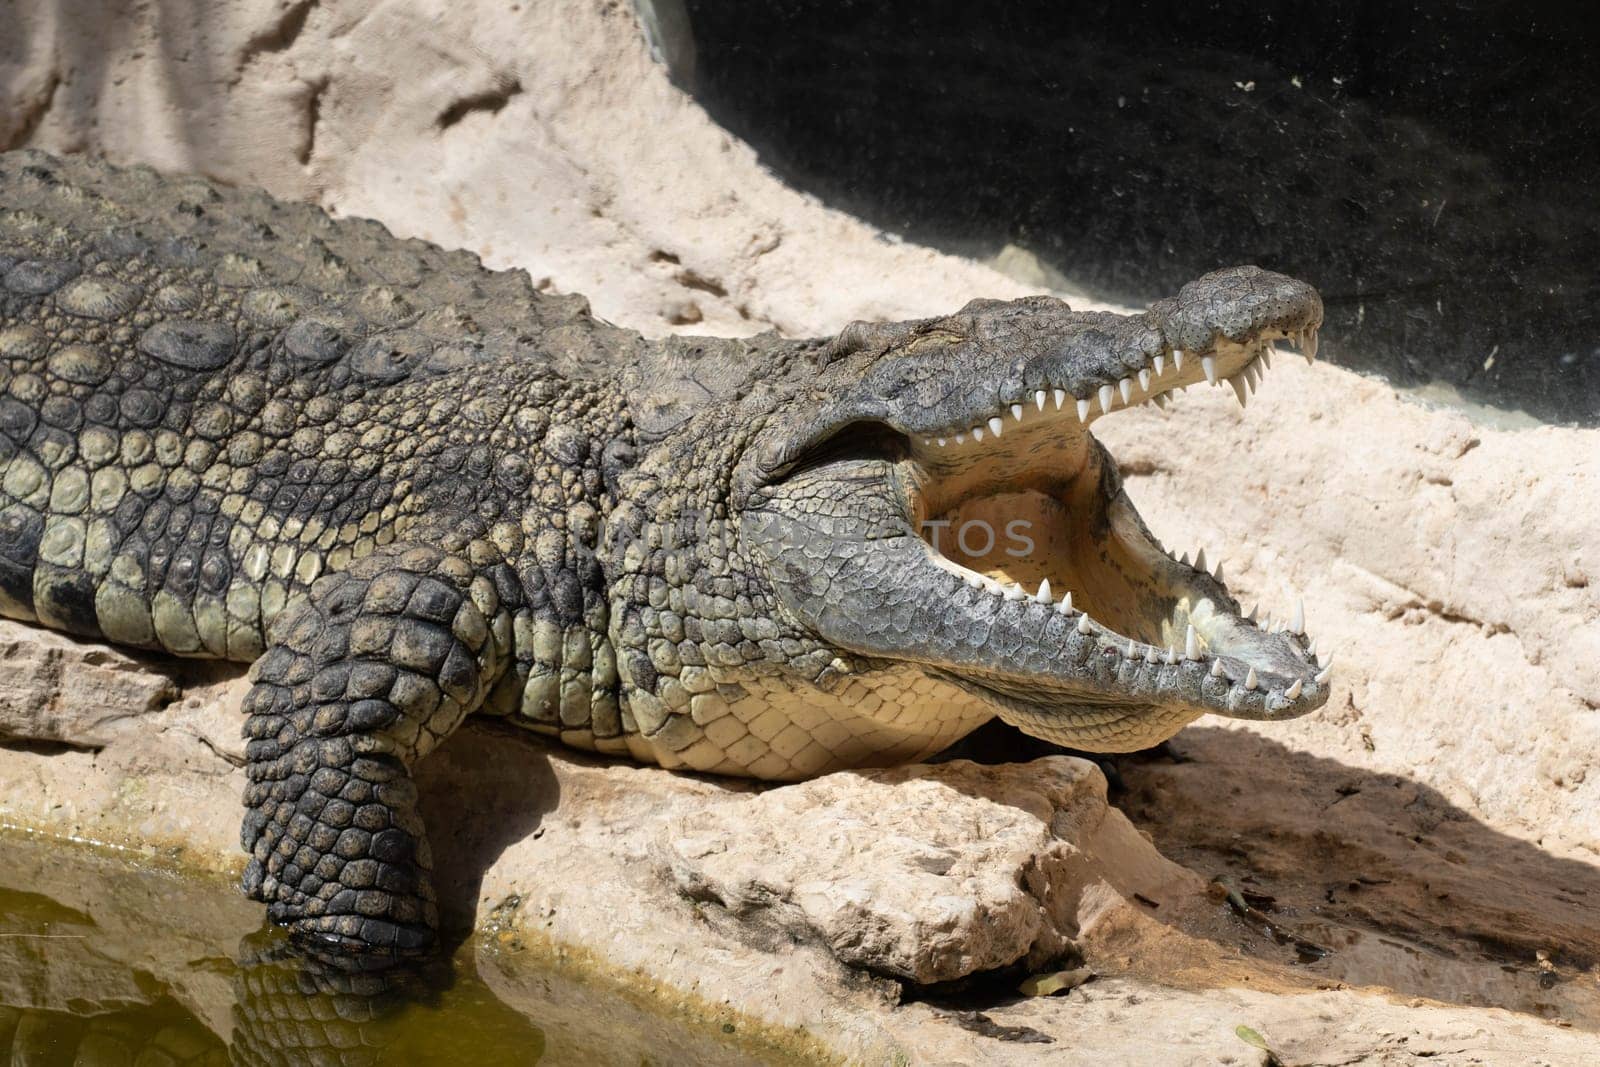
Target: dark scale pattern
[{"x": 223, "y": 417}]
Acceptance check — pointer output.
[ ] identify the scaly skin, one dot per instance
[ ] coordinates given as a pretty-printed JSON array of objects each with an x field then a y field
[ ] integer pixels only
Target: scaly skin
[{"x": 409, "y": 489}]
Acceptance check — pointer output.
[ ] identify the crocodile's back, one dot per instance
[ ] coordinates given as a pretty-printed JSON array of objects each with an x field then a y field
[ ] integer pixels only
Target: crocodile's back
[{"x": 208, "y": 397}]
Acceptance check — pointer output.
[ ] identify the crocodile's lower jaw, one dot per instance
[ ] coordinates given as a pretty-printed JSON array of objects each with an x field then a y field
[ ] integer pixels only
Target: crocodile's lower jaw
[{"x": 1027, "y": 509}]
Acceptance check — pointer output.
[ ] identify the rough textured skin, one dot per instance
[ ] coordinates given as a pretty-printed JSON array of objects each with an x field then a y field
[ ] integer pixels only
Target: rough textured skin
[{"x": 410, "y": 489}]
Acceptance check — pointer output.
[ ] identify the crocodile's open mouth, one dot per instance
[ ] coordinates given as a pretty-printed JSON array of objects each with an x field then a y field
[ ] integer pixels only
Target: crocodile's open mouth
[
  {"x": 1027, "y": 509},
  {"x": 952, "y": 510}
]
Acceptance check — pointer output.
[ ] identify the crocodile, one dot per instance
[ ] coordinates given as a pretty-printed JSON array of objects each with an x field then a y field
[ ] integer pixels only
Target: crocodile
[{"x": 407, "y": 489}]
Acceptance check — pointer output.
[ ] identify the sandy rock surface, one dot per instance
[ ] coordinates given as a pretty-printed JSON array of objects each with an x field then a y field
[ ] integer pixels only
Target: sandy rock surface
[{"x": 1432, "y": 830}]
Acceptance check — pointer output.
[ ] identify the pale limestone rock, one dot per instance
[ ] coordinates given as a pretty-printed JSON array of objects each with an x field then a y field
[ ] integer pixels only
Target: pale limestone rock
[
  {"x": 927, "y": 873},
  {"x": 53, "y": 688}
]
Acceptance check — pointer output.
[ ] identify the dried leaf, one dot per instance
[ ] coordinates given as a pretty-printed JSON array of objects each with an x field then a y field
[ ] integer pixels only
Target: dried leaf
[{"x": 1044, "y": 985}]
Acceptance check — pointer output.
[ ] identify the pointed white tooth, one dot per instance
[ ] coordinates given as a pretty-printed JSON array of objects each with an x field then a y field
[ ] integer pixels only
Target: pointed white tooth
[
  {"x": 1209, "y": 365},
  {"x": 1065, "y": 607},
  {"x": 1293, "y": 692},
  {"x": 996, "y": 425},
  {"x": 1083, "y": 411},
  {"x": 1298, "y": 623},
  {"x": 1014, "y": 592},
  {"x": 977, "y": 433},
  {"x": 927, "y": 440},
  {"x": 1216, "y": 668},
  {"x": 1125, "y": 387},
  {"x": 1016, "y": 412},
  {"x": 1152, "y": 654},
  {"x": 1310, "y": 348},
  {"x": 1043, "y": 595},
  {"x": 1200, "y": 560},
  {"x": 1160, "y": 364},
  {"x": 1133, "y": 648},
  {"x": 1060, "y": 396},
  {"x": 1250, "y": 681},
  {"x": 1172, "y": 655},
  {"x": 1083, "y": 624},
  {"x": 1191, "y": 645},
  {"x": 1311, "y": 648},
  {"x": 941, "y": 441},
  {"x": 961, "y": 439},
  {"x": 1217, "y": 574},
  {"x": 1250, "y": 616},
  {"x": 1038, "y": 400},
  {"x": 1108, "y": 396},
  {"x": 1184, "y": 559},
  {"x": 974, "y": 579},
  {"x": 1177, "y": 359},
  {"x": 1144, "y": 379},
  {"x": 1162, "y": 401},
  {"x": 1323, "y": 675},
  {"x": 1238, "y": 389},
  {"x": 1266, "y": 357},
  {"x": 1251, "y": 377}
]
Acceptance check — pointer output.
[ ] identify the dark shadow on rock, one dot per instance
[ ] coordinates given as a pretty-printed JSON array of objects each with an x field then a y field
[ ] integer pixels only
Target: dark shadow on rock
[
  {"x": 486, "y": 788},
  {"x": 1404, "y": 888}
]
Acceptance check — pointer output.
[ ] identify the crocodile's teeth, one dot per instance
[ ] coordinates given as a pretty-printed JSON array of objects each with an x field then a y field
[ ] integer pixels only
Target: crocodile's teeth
[
  {"x": 1310, "y": 347},
  {"x": 1014, "y": 592},
  {"x": 973, "y": 579},
  {"x": 1177, "y": 359},
  {"x": 1162, "y": 401},
  {"x": 1200, "y": 560},
  {"x": 1133, "y": 648},
  {"x": 1016, "y": 413},
  {"x": 977, "y": 434},
  {"x": 1209, "y": 365},
  {"x": 1191, "y": 645},
  {"x": 1217, "y": 574},
  {"x": 1152, "y": 654},
  {"x": 1250, "y": 681},
  {"x": 1043, "y": 595},
  {"x": 927, "y": 440},
  {"x": 1297, "y": 624},
  {"x": 1083, "y": 411},
  {"x": 1108, "y": 396},
  {"x": 1125, "y": 387},
  {"x": 1238, "y": 389},
  {"x": 996, "y": 425},
  {"x": 941, "y": 441},
  {"x": 1065, "y": 607},
  {"x": 1266, "y": 357},
  {"x": 1184, "y": 559},
  {"x": 1060, "y": 396},
  {"x": 1311, "y": 648},
  {"x": 961, "y": 439},
  {"x": 1083, "y": 624},
  {"x": 1172, "y": 655},
  {"x": 1293, "y": 692},
  {"x": 1323, "y": 675},
  {"x": 1251, "y": 376},
  {"x": 1216, "y": 668},
  {"x": 1038, "y": 400},
  {"x": 1144, "y": 379},
  {"x": 1160, "y": 364}
]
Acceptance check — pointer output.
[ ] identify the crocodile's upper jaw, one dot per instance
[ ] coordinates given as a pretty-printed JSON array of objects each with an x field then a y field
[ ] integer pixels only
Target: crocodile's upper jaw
[{"x": 1022, "y": 573}]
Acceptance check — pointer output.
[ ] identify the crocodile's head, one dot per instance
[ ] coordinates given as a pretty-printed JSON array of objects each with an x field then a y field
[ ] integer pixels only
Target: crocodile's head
[{"x": 935, "y": 499}]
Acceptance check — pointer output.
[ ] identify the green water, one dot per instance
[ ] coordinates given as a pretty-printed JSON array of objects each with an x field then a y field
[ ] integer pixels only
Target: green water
[{"x": 105, "y": 961}]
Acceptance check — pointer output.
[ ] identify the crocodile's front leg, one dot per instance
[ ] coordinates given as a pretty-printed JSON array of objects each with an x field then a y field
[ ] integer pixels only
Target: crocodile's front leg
[{"x": 363, "y": 677}]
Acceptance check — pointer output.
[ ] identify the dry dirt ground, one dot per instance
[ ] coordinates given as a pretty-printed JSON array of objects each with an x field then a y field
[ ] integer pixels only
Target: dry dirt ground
[{"x": 1415, "y": 868}]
